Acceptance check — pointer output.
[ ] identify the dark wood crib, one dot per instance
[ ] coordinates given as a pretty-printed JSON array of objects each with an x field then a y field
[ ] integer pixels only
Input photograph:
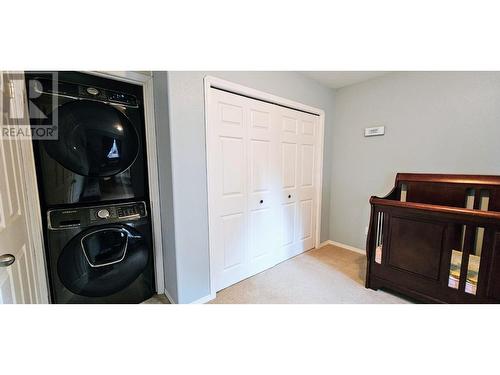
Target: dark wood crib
[{"x": 436, "y": 238}]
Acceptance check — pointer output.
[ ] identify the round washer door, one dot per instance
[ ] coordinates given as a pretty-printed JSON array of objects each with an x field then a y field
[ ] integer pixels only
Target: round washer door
[
  {"x": 94, "y": 139},
  {"x": 103, "y": 260}
]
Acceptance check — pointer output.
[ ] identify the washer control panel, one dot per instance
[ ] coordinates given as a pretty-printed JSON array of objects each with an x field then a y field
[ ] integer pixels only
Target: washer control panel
[
  {"x": 85, "y": 216},
  {"x": 118, "y": 212}
]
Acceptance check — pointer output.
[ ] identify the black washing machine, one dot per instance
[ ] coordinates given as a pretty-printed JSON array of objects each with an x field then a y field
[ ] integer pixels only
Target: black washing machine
[
  {"x": 99, "y": 155},
  {"x": 100, "y": 254}
]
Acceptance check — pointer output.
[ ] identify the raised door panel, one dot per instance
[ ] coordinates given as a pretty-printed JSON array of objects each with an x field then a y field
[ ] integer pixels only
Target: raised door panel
[
  {"x": 289, "y": 124},
  {"x": 306, "y": 225},
  {"x": 261, "y": 232},
  {"x": 234, "y": 238},
  {"x": 262, "y": 248},
  {"x": 289, "y": 165},
  {"x": 307, "y": 166},
  {"x": 260, "y": 119},
  {"x": 231, "y": 119},
  {"x": 259, "y": 166},
  {"x": 233, "y": 166},
  {"x": 231, "y": 255},
  {"x": 288, "y": 214},
  {"x": 7, "y": 295},
  {"x": 232, "y": 178},
  {"x": 10, "y": 207},
  {"x": 308, "y": 127},
  {"x": 19, "y": 268},
  {"x": 306, "y": 219}
]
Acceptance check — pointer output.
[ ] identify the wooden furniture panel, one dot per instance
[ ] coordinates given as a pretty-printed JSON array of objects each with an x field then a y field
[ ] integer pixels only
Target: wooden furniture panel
[
  {"x": 494, "y": 282},
  {"x": 433, "y": 248},
  {"x": 436, "y": 193},
  {"x": 416, "y": 246}
]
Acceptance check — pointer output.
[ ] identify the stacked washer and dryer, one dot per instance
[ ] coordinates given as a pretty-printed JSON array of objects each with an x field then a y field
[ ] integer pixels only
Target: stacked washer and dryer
[{"x": 93, "y": 188}]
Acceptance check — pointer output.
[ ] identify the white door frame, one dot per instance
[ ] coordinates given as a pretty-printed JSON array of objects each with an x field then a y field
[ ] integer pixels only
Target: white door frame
[
  {"x": 146, "y": 81},
  {"x": 211, "y": 81}
]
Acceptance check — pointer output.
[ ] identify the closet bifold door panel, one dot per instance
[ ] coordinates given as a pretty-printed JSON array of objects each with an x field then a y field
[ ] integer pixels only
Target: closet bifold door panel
[
  {"x": 298, "y": 190},
  {"x": 261, "y": 182},
  {"x": 262, "y": 199},
  {"x": 244, "y": 212}
]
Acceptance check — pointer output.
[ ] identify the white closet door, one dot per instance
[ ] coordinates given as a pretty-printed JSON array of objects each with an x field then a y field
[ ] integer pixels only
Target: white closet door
[
  {"x": 298, "y": 146},
  {"x": 263, "y": 192},
  {"x": 261, "y": 181},
  {"x": 228, "y": 182}
]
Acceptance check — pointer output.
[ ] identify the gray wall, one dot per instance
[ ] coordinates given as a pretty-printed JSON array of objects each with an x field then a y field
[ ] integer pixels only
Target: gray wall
[
  {"x": 187, "y": 132},
  {"x": 441, "y": 122}
]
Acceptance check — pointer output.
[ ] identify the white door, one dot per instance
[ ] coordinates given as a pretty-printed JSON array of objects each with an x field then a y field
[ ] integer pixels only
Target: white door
[
  {"x": 228, "y": 186},
  {"x": 263, "y": 192},
  {"x": 18, "y": 272},
  {"x": 246, "y": 181},
  {"x": 298, "y": 190}
]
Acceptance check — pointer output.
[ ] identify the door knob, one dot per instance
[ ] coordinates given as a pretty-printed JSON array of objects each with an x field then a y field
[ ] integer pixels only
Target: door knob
[
  {"x": 289, "y": 196},
  {"x": 6, "y": 260},
  {"x": 261, "y": 201}
]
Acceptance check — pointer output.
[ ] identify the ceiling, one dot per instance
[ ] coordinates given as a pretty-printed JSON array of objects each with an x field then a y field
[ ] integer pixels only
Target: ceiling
[{"x": 336, "y": 80}]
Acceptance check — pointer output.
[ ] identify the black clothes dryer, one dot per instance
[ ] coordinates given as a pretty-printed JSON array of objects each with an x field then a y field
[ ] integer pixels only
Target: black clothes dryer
[
  {"x": 99, "y": 155},
  {"x": 100, "y": 254}
]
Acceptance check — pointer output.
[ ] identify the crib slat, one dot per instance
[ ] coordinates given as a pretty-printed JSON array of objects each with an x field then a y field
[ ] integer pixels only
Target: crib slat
[{"x": 470, "y": 235}]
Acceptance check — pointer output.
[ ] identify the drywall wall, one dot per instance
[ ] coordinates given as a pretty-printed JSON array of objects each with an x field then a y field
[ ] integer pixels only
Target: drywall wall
[
  {"x": 436, "y": 122},
  {"x": 160, "y": 84},
  {"x": 187, "y": 132}
]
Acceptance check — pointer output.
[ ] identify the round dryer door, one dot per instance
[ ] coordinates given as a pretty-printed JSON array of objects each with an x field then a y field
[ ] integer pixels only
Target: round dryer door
[
  {"x": 94, "y": 139},
  {"x": 101, "y": 261}
]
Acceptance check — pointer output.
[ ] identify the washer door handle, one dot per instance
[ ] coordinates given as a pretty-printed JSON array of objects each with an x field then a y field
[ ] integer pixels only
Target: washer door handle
[{"x": 125, "y": 233}]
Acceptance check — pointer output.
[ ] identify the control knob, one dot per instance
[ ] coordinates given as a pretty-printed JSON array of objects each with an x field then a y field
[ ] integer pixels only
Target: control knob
[
  {"x": 103, "y": 214},
  {"x": 92, "y": 91}
]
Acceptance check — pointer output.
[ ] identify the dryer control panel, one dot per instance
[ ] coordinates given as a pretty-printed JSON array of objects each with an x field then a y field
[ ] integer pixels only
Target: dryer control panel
[
  {"x": 80, "y": 91},
  {"x": 86, "y": 216}
]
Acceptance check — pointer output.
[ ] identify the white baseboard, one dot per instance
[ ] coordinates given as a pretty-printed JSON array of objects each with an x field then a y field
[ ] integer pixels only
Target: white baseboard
[
  {"x": 198, "y": 301},
  {"x": 344, "y": 246},
  {"x": 169, "y": 297},
  {"x": 203, "y": 299}
]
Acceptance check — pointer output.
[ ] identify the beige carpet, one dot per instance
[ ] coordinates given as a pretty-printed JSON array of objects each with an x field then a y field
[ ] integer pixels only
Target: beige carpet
[
  {"x": 326, "y": 275},
  {"x": 157, "y": 299}
]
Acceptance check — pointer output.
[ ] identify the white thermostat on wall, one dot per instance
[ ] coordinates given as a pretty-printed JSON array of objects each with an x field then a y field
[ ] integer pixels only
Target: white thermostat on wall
[{"x": 377, "y": 130}]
